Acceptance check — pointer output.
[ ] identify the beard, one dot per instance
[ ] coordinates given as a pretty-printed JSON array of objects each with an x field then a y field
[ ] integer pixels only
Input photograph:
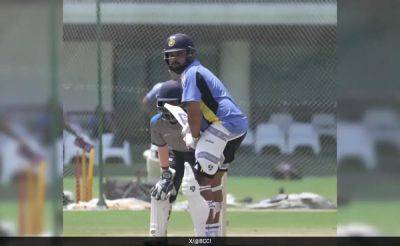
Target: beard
[{"x": 177, "y": 68}]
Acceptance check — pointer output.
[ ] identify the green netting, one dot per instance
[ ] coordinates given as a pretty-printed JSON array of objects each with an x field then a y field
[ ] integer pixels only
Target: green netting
[{"x": 269, "y": 67}]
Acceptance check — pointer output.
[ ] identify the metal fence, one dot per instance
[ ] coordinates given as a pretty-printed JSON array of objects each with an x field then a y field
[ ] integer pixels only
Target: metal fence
[{"x": 273, "y": 62}]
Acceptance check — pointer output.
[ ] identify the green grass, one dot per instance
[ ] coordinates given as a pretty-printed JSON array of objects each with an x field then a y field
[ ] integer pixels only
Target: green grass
[
  {"x": 283, "y": 223},
  {"x": 9, "y": 211},
  {"x": 384, "y": 215},
  {"x": 241, "y": 223},
  {"x": 261, "y": 188},
  {"x": 255, "y": 187}
]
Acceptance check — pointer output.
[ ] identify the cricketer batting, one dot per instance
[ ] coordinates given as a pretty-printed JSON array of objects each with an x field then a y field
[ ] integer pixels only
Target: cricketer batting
[{"x": 216, "y": 127}]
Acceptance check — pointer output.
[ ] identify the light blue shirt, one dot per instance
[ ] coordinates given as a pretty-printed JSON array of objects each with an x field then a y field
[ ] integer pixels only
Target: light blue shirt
[{"x": 216, "y": 104}]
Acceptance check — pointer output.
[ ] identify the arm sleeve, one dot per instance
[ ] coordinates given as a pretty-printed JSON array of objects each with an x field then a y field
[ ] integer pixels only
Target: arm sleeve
[
  {"x": 190, "y": 90},
  {"x": 152, "y": 94}
]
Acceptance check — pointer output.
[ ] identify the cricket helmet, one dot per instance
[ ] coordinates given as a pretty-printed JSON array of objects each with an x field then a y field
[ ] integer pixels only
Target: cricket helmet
[
  {"x": 179, "y": 42},
  {"x": 169, "y": 92}
]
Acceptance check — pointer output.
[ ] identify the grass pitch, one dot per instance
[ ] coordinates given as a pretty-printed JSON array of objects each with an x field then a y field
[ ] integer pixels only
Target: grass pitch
[
  {"x": 240, "y": 223},
  {"x": 255, "y": 187}
]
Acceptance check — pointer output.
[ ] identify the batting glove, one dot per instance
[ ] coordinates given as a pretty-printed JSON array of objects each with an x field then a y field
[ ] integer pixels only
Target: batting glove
[
  {"x": 165, "y": 186},
  {"x": 190, "y": 141}
]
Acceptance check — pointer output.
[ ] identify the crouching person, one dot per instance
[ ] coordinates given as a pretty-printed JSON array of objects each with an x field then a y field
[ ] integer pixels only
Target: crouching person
[{"x": 173, "y": 153}]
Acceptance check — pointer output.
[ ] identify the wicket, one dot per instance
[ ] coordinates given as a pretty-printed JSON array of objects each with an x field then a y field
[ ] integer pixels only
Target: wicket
[
  {"x": 84, "y": 177},
  {"x": 32, "y": 193}
]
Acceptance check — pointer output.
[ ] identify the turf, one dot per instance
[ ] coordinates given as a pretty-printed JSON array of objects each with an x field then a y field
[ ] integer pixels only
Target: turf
[
  {"x": 241, "y": 223},
  {"x": 384, "y": 215},
  {"x": 120, "y": 223},
  {"x": 255, "y": 187},
  {"x": 261, "y": 188},
  {"x": 9, "y": 212}
]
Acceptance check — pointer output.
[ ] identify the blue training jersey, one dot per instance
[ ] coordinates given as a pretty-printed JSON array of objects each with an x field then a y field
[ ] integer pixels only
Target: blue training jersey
[{"x": 216, "y": 104}]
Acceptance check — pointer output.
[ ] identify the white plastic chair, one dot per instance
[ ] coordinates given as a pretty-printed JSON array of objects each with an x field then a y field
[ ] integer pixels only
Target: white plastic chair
[
  {"x": 109, "y": 151},
  {"x": 381, "y": 117},
  {"x": 11, "y": 160},
  {"x": 283, "y": 120},
  {"x": 353, "y": 140},
  {"x": 70, "y": 149},
  {"x": 14, "y": 161},
  {"x": 79, "y": 129},
  {"x": 383, "y": 124},
  {"x": 324, "y": 124},
  {"x": 269, "y": 135},
  {"x": 303, "y": 134}
]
